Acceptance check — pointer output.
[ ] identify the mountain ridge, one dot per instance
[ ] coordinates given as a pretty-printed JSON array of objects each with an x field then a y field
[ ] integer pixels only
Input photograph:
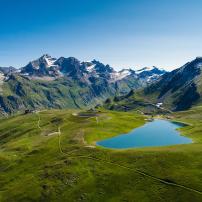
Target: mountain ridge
[
  {"x": 182, "y": 85},
  {"x": 177, "y": 90},
  {"x": 47, "y": 65},
  {"x": 49, "y": 82}
]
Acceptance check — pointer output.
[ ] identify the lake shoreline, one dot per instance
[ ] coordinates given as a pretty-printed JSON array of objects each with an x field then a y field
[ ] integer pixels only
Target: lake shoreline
[{"x": 171, "y": 124}]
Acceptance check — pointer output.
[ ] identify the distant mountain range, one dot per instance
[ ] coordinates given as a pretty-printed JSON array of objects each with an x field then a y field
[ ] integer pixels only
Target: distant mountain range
[
  {"x": 46, "y": 66},
  {"x": 177, "y": 90},
  {"x": 48, "y": 82}
]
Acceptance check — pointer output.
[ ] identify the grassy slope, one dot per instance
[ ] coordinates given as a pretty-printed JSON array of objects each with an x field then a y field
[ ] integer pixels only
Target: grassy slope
[
  {"x": 134, "y": 101},
  {"x": 34, "y": 169},
  {"x": 20, "y": 93}
]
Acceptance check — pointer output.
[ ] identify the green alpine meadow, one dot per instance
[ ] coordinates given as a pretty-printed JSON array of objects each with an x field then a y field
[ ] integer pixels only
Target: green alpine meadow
[
  {"x": 100, "y": 101},
  {"x": 52, "y": 156}
]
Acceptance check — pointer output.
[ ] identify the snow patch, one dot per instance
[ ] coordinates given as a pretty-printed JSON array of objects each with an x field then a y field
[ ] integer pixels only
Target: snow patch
[
  {"x": 90, "y": 68},
  {"x": 25, "y": 74},
  {"x": 144, "y": 69},
  {"x": 49, "y": 61},
  {"x": 153, "y": 77},
  {"x": 115, "y": 76}
]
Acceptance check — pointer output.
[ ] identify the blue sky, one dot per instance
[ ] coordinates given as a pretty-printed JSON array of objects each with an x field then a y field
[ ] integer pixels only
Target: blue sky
[{"x": 122, "y": 33}]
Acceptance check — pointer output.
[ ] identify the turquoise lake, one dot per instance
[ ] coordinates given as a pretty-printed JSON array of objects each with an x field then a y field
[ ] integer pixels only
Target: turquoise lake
[{"x": 152, "y": 134}]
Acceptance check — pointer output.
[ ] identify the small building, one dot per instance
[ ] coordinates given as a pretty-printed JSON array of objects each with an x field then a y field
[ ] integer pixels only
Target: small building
[{"x": 29, "y": 111}]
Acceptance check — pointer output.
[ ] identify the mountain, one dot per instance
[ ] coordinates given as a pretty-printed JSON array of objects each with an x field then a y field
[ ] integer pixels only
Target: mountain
[
  {"x": 49, "y": 82},
  {"x": 44, "y": 66},
  {"x": 177, "y": 90},
  {"x": 72, "y": 67}
]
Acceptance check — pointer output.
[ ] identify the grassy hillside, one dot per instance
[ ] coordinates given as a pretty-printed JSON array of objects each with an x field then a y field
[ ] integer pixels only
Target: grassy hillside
[
  {"x": 134, "y": 101},
  {"x": 19, "y": 93},
  {"x": 51, "y": 156}
]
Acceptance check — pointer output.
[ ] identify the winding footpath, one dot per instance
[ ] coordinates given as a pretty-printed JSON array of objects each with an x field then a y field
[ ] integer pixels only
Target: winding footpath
[{"x": 39, "y": 119}]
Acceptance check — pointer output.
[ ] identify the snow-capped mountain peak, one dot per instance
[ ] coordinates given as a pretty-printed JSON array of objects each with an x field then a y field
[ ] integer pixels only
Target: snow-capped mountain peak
[{"x": 47, "y": 66}]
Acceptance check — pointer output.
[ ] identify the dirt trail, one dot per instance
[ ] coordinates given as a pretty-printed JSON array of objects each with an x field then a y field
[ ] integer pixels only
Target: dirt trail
[
  {"x": 38, "y": 122},
  {"x": 59, "y": 140},
  {"x": 38, "y": 125}
]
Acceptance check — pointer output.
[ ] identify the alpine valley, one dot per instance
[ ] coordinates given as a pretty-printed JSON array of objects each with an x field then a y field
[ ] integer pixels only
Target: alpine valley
[
  {"x": 113, "y": 113},
  {"x": 81, "y": 131}
]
